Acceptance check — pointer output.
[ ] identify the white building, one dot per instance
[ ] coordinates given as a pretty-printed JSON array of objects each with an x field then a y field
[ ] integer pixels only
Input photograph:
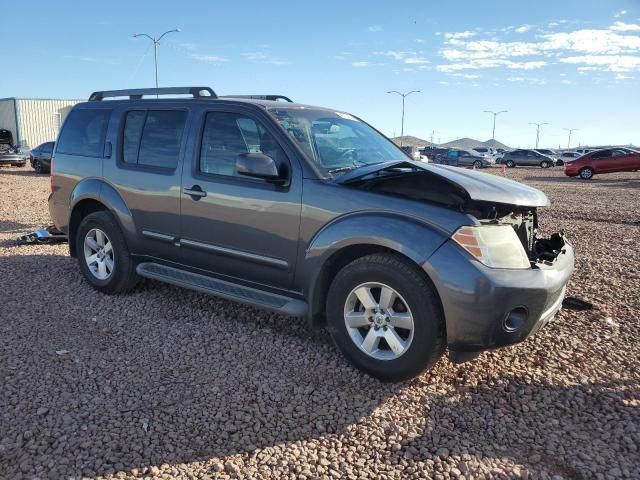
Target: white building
[{"x": 33, "y": 121}]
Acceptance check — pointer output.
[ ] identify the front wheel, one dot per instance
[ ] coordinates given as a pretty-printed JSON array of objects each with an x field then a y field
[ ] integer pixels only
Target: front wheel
[
  {"x": 103, "y": 254},
  {"x": 511, "y": 163},
  {"x": 586, "y": 173},
  {"x": 477, "y": 164},
  {"x": 385, "y": 317},
  {"x": 37, "y": 166},
  {"x": 545, "y": 164}
]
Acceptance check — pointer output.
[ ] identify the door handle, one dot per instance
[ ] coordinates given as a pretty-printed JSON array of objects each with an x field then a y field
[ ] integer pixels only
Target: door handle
[{"x": 195, "y": 192}]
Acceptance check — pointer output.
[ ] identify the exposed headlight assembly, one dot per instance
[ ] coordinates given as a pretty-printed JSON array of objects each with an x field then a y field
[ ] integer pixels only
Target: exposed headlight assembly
[{"x": 496, "y": 246}]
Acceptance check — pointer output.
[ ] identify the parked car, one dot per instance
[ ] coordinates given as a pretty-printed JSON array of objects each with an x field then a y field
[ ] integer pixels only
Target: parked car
[
  {"x": 465, "y": 158},
  {"x": 582, "y": 151},
  {"x": 526, "y": 158},
  {"x": 309, "y": 212},
  {"x": 608, "y": 160},
  {"x": 568, "y": 156},
  {"x": 485, "y": 152},
  {"x": 10, "y": 153},
  {"x": 551, "y": 154},
  {"x": 40, "y": 157}
]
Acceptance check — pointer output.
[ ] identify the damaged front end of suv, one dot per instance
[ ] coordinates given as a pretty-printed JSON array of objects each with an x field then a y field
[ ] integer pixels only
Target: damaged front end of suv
[{"x": 515, "y": 282}]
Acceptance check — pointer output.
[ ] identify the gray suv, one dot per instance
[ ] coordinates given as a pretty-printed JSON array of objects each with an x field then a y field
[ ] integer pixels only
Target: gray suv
[{"x": 309, "y": 212}]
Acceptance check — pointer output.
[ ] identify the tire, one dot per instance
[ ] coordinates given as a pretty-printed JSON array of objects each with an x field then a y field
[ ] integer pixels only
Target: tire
[
  {"x": 586, "y": 173},
  {"x": 510, "y": 163},
  {"x": 477, "y": 164},
  {"x": 422, "y": 346},
  {"x": 545, "y": 164},
  {"x": 37, "y": 166},
  {"x": 122, "y": 277}
]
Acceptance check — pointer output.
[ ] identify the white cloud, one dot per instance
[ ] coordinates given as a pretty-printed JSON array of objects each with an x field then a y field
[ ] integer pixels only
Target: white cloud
[
  {"x": 624, "y": 77},
  {"x": 261, "y": 57},
  {"x": 618, "y": 52},
  {"x": 458, "y": 35},
  {"x": 620, "y": 14},
  {"x": 416, "y": 61},
  {"x": 523, "y": 28},
  {"x": 362, "y": 64},
  {"x": 374, "y": 28},
  {"x": 419, "y": 40},
  {"x": 609, "y": 63},
  {"x": 466, "y": 75},
  {"x": 208, "y": 58},
  {"x": 490, "y": 63},
  {"x": 625, "y": 27}
]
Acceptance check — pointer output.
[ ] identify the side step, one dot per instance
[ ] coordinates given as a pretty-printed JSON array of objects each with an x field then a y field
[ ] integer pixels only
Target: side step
[{"x": 224, "y": 289}]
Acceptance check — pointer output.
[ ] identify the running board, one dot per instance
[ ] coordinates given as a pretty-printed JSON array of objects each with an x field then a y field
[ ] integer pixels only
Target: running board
[{"x": 224, "y": 289}]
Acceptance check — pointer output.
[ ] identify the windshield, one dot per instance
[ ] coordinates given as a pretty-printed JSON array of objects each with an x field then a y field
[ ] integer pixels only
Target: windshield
[{"x": 336, "y": 141}]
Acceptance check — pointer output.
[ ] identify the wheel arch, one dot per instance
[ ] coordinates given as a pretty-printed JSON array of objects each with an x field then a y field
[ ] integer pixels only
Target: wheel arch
[
  {"x": 338, "y": 245},
  {"x": 94, "y": 195}
]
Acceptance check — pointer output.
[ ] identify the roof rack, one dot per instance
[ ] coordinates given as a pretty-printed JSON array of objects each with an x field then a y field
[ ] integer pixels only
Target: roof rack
[
  {"x": 138, "y": 93},
  {"x": 260, "y": 97}
]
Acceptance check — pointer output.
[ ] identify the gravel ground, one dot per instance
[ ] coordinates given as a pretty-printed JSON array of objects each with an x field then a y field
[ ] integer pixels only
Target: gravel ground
[{"x": 174, "y": 384}]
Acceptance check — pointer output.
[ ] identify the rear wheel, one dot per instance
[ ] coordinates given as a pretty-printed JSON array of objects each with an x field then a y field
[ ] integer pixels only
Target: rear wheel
[
  {"x": 545, "y": 164},
  {"x": 385, "y": 317},
  {"x": 586, "y": 173},
  {"x": 511, "y": 163},
  {"x": 103, "y": 254},
  {"x": 477, "y": 164}
]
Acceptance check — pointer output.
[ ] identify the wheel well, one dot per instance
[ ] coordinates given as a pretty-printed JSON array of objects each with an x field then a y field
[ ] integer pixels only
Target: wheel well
[
  {"x": 330, "y": 269},
  {"x": 81, "y": 210}
]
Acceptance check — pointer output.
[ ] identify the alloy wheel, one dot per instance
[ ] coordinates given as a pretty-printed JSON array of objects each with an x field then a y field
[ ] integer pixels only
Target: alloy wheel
[
  {"x": 98, "y": 253},
  {"x": 379, "y": 321}
]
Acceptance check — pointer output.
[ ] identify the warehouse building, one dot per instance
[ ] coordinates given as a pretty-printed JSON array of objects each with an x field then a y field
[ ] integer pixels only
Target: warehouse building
[{"x": 33, "y": 121}]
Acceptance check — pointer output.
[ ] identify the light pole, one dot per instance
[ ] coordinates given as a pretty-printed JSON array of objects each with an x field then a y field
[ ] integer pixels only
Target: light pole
[
  {"x": 495, "y": 114},
  {"x": 538, "y": 125},
  {"x": 403, "y": 95},
  {"x": 570, "y": 130},
  {"x": 156, "y": 42}
]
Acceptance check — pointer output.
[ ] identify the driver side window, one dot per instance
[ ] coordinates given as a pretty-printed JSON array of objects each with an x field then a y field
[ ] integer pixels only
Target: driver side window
[{"x": 228, "y": 135}]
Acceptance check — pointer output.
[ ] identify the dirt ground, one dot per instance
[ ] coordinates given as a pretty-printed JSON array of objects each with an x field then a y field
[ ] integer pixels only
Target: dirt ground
[{"x": 170, "y": 383}]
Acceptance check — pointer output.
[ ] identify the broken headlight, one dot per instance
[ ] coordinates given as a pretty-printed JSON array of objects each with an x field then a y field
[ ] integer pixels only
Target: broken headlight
[{"x": 496, "y": 246}]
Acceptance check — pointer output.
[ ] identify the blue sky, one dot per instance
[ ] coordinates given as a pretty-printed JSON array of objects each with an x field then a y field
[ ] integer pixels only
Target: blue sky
[{"x": 573, "y": 64}]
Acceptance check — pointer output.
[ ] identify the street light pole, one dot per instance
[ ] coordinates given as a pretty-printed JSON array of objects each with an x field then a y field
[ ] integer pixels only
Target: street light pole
[
  {"x": 538, "y": 125},
  {"x": 403, "y": 95},
  {"x": 495, "y": 114},
  {"x": 156, "y": 42},
  {"x": 570, "y": 130}
]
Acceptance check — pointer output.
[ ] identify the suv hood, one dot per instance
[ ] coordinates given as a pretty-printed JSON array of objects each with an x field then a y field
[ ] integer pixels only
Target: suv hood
[{"x": 478, "y": 186}]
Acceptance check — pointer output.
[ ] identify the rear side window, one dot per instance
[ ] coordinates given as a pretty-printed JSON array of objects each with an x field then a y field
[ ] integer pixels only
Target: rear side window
[
  {"x": 152, "y": 138},
  {"x": 84, "y": 132},
  {"x": 47, "y": 147}
]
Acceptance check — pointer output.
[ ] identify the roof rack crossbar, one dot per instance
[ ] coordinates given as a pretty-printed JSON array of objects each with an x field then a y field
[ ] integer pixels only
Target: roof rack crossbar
[
  {"x": 260, "y": 97},
  {"x": 138, "y": 93}
]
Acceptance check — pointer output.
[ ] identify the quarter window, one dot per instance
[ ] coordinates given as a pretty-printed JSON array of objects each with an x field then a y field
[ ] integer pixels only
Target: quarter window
[
  {"x": 153, "y": 138},
  {"x": 228, "y": 135},
  {"x": 84, "y": 132}
]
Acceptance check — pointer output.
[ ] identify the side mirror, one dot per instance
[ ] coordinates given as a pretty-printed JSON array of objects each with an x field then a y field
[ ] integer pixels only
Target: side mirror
[{"x": 258, "y": 165}]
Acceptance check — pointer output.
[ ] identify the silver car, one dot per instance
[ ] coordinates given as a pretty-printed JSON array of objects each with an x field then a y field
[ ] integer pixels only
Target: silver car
[{"x": 529, "y": 158}]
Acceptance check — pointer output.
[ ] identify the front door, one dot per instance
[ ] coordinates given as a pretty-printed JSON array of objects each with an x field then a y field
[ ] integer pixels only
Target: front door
[{"x": 232, "y": 225}]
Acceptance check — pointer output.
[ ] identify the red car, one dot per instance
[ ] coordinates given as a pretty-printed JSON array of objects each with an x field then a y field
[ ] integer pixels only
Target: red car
[{"x": 608, "y": 160}]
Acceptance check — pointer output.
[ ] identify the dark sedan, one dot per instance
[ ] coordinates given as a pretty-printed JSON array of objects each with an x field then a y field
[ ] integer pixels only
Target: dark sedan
[
  {"x": 527, "y": 158},
  {"x": 41, "y": 157}
]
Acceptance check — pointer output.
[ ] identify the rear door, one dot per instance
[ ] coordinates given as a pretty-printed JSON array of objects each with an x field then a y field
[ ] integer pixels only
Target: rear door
[
  {"x": 601, "y": 161},
  {"x": 621, "y": 160},
  {"x": 240, "y": 227},
  {"x": 146, "y": 173}
]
